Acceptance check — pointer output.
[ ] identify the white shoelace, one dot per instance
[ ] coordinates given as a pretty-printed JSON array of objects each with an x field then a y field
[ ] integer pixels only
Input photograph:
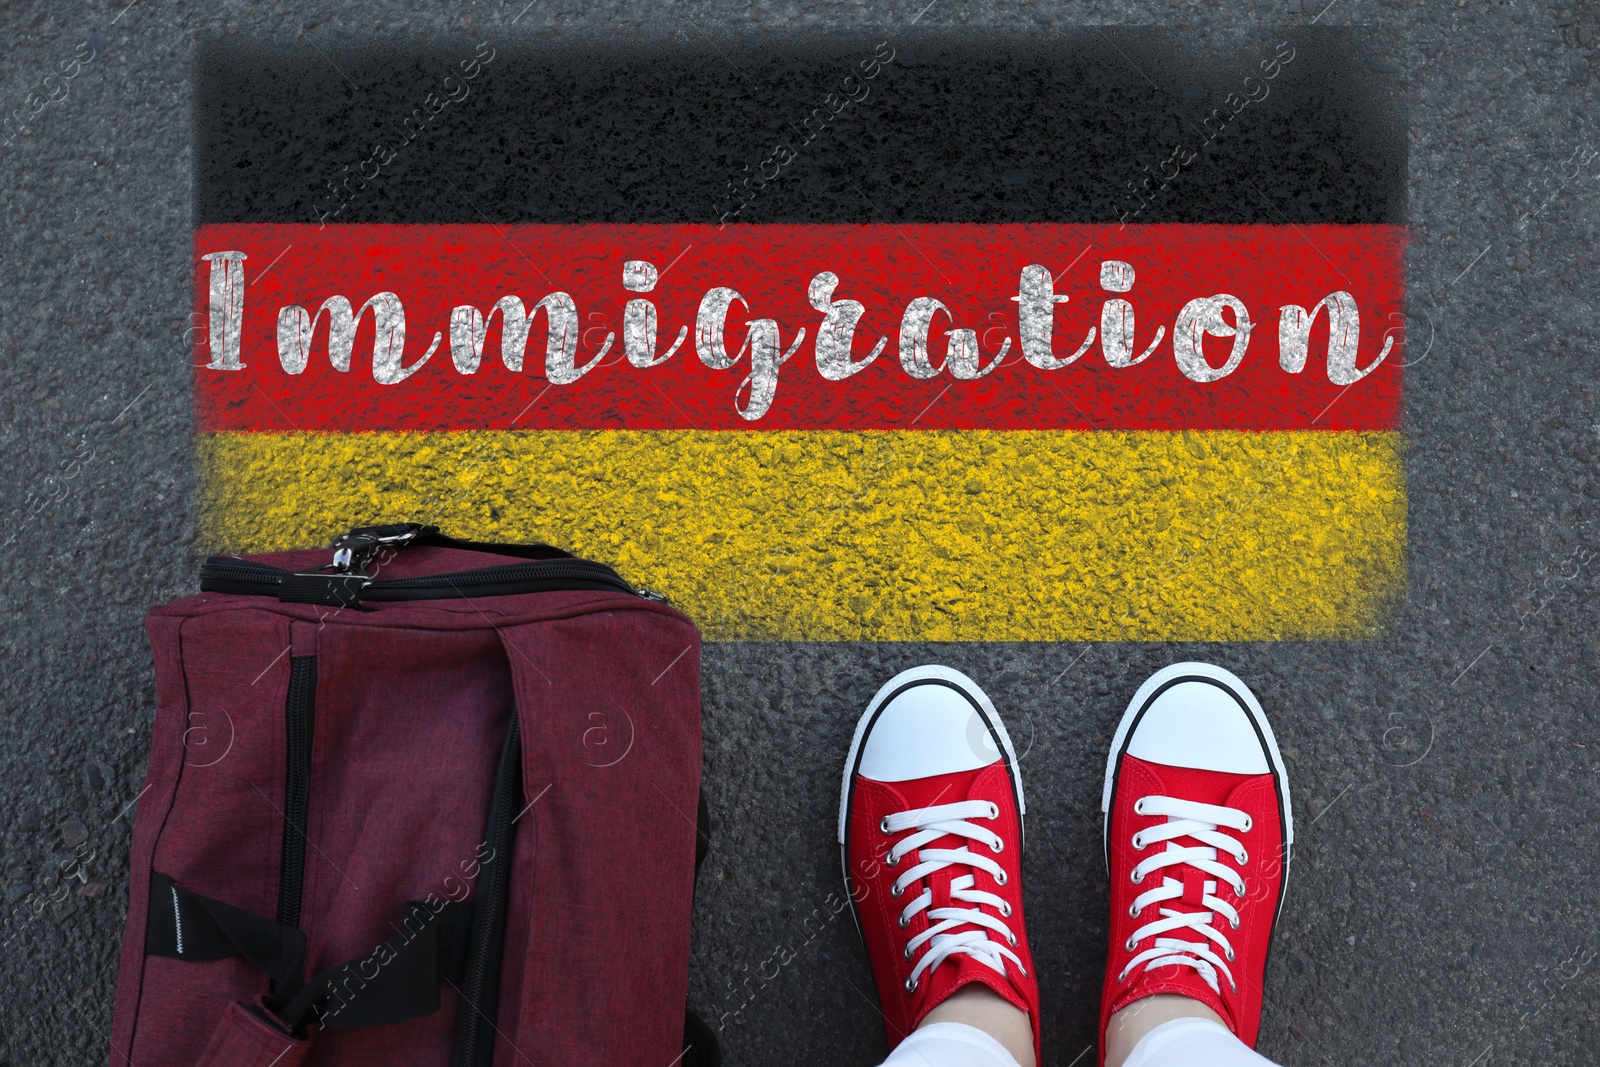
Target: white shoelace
[
  {"x": 1202, "y": 823},
  {"x": 941, "y": 938}
]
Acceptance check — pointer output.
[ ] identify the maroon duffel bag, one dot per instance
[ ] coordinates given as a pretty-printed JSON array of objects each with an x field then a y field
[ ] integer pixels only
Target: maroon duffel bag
[{"x": 414, "y": 801}]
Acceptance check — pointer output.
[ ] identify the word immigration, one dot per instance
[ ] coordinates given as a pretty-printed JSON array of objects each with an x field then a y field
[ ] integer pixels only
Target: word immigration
[
  {"x": 964, "y": 358},
  {"x": 751, "y": 319}
]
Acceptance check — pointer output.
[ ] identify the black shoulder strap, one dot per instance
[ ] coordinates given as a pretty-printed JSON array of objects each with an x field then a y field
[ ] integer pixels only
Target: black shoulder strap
[
  {"x": 187, "y": 926},
  {"x": 397, "y": 981},
  {"x": 439, "y": 941}
]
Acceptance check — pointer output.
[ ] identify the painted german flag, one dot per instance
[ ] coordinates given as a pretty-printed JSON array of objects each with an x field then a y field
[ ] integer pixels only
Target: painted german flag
[{"x": 906, "y": 337}]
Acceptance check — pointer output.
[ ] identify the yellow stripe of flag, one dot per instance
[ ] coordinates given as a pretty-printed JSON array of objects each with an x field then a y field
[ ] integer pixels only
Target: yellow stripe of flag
[{"x": 1034, "y": 535}]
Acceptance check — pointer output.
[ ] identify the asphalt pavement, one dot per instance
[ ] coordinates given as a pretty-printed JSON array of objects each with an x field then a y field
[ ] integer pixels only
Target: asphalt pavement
[{"x": 1443, "y": 897}]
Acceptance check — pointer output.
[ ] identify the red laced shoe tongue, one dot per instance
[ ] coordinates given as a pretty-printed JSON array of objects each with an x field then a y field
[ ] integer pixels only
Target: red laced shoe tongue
[
  {"x": 925, "y": 793},
  {"x": 939, "y": 881},
  {"x": 1194, "y": 888},
  {"x": 1205, "y": 787},
  {"x": 933, "y": 792},
  {"x": 940, "y": 789},
  {"x": 1236, "y": 996}
]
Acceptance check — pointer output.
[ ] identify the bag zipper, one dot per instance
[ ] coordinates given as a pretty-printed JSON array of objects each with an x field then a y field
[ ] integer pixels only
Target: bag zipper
[
  {"x": 223, "y": 574},
  {"x": 480, "y": 991},
  {"x": 299, "y": 725},
  {"x": 475, "y": 583}
]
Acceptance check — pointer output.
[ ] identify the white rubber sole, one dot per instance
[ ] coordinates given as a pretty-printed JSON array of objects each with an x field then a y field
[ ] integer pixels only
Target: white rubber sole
[
  {"x": 931, "y": 672},
  {"x": 1229, "y": 681}
]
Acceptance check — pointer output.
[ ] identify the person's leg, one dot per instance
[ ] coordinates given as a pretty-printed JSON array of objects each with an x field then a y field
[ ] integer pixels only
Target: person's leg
[
  {"x": 981, "y": 1007},
  {"x": 1174, "y": 1031},
  {"x": 1129, "y": 1026},
  {"x": 1189, "y": 1041},
  {"x": 930, "y": 832},
  {"x": 954, "y": 1044},
  {"x": 1198, "y": 833}
]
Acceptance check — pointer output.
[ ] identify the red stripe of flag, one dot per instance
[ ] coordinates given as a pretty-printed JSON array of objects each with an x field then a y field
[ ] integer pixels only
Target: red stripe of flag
[{"x": 974, "y": 270}]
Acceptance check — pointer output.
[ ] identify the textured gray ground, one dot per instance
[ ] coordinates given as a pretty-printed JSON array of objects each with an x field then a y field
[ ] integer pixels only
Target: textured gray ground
[{"x": 1443, "y": 903}]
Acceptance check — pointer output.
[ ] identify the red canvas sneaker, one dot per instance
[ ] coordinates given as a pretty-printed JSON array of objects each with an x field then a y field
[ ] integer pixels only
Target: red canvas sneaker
[
  {"x": 1197, "y": 832},
  {"x": 930, "y": 829}
]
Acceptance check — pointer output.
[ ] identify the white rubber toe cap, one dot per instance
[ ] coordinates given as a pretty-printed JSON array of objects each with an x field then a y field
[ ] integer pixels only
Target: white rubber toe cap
[
  {"x": 1199, "y": 724},
  {"x": 1202, "y": 716},
  {"x": 926, "y": 721},
  {"x": 926, "y": 729}
]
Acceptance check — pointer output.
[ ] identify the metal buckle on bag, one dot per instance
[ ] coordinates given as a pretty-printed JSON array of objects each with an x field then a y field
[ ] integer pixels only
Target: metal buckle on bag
[{"x": 354, "y": 550}]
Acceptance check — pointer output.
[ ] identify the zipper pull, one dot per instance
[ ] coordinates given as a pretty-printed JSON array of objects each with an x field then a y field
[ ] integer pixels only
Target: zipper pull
[{"x": 651, "y": 594}]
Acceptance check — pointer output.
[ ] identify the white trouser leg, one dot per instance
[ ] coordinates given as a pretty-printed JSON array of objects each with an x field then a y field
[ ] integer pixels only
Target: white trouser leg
[
  {"x": 1193, "y": 1043},
  {"x": 949, "y": 1045}
]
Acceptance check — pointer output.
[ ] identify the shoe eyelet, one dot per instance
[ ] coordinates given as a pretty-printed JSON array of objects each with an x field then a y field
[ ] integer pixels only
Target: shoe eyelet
[
  {"x": 905, "y": 921},
  {"x": 1230, "y": 955},
  {"x": 1005, "y": 910},
  {"x": 1013, "y": 939},
  {"x": 994, "y": 810},
  {"x": 1023, "y": 969},
  {"x": 1122, "y": 975},
  {"x": 911, "y": 985},
  {"x": 891, "y": 859},
  {"x": 1138, "y": 806},
  {"x": 1244, "y": 856},
  {"x": 1248, "y": 822},
  {"x": 907, "y": 954},
  {"x": 1138, "y": 842},
  {"x": 1000, "y": 879},
  {"x": 883, "y": 824},
  {"x": 1235, "y": 923},
  {"x": 895, "y": 891},
  {"x": 1129, "y": 946},
  {"x": 1133, "y": 912},
  {"x": 999, "y": 846},
  {"x": 1136, "y": 877}
]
